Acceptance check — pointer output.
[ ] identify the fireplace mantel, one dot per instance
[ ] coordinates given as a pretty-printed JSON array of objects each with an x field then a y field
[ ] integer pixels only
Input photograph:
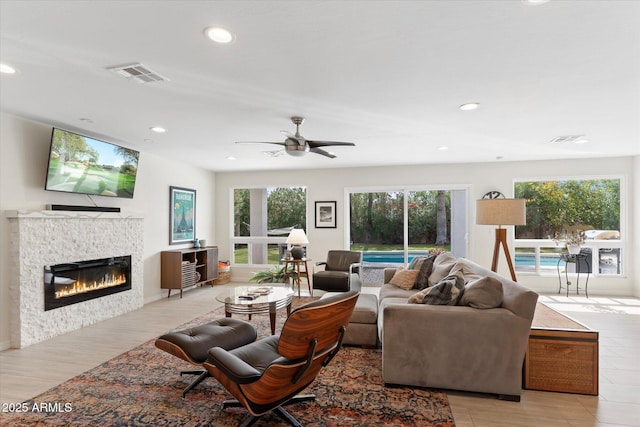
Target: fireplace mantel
[
  {"x": 40, "y": 238},
  {"x": 70, "y": 214}
]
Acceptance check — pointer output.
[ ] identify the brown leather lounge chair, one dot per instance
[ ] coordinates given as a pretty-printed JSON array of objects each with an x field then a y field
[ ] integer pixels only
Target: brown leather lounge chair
[
  {"x": 341, "y": 272},
  {"x": 270, "y": 372}
]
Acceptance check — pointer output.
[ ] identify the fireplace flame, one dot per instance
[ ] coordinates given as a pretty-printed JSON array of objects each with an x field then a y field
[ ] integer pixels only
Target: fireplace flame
[{"x": 108, "y": 281}]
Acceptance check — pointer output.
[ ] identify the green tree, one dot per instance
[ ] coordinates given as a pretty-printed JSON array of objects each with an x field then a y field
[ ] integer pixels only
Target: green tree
[
  {"x": 287, "y": 207},
  {"x": 72, "y": 147},
  {"x": 554, "y": 206},
  {"x": 241, "y": 209}
]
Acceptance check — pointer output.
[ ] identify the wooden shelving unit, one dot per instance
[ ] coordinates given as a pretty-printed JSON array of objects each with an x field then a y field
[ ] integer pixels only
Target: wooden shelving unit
[{"x": 183, "y": 268}]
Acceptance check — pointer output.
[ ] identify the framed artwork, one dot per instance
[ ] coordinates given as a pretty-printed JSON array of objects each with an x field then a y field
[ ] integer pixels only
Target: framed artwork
[
  {"x": 326, "y": 214},
  {"x": 182, "y": 216}
]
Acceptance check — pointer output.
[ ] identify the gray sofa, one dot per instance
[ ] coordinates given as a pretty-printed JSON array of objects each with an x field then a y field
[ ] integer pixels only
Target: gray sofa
[{"x": 453, "y": 346}]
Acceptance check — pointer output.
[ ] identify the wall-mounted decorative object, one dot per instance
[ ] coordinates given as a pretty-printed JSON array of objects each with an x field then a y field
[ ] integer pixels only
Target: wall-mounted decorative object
[
  {"x": 182, "y": 216},
  {"x": 326, "y": 214}
]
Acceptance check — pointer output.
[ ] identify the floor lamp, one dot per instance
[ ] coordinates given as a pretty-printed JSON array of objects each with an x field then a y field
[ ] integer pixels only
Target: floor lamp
[{"x": 501, "y": 212}]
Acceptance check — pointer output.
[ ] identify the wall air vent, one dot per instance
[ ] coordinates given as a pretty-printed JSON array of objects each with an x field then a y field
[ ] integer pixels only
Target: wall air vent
[
  {"x": 138, "y": 72},
  {"x": 566, "y": 138}
]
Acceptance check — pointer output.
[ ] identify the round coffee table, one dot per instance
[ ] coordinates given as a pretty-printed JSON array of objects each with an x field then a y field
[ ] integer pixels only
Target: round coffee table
[{"x": 241, "y": 300}]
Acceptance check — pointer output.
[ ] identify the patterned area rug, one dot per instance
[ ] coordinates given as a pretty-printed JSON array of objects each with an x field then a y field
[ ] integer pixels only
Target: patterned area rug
[{"x": 142, "y": 387}]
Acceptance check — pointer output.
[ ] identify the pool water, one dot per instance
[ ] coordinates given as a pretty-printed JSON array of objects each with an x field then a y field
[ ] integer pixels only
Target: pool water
[{"x": 521, "y": 260}]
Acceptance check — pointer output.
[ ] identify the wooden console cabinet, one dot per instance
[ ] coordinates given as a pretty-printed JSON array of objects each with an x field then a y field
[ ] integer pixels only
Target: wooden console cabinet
[{"x": 183, "y": 268}]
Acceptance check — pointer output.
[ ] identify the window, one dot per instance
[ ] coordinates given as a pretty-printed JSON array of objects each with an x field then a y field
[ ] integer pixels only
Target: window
[
  {"x": 557, "y": 209},
  {"x": 262, "y": 220},
  {"x": 392, "y": 227}
]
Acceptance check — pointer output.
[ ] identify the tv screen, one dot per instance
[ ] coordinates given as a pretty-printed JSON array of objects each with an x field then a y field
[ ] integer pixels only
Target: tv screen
[{"x": 79, "y": 164}]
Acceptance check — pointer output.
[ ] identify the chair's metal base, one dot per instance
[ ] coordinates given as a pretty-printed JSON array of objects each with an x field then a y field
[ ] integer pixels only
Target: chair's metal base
[
  {"x": 279, "y": 411},
  {"x": 202, "y": 374}
]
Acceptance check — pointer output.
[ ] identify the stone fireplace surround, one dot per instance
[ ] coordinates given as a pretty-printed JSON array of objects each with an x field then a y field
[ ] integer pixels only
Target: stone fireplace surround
[{"x": 39, "y": 238}]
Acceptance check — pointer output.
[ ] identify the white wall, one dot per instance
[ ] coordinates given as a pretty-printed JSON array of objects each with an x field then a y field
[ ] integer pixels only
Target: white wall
[
  {"x": 634, "y": 220},
  {"x": 330, "y": 184},
  {"x": 24, "y": 146}
]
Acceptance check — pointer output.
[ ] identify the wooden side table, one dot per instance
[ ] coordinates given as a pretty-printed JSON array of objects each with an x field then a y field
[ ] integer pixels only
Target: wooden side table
[{"x": 300, "y": 271}]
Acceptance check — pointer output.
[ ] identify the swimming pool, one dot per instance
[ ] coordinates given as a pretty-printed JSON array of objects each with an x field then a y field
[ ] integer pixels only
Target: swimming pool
[{"x": 393, "y": 257}]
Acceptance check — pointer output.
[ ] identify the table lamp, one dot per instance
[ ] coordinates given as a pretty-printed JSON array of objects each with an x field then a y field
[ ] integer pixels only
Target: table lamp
[
  {"x": 501, "y": 211},
  {"x": 297, "y": 238}
]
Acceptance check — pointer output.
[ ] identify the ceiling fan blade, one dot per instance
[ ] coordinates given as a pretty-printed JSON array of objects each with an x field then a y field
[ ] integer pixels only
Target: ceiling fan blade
[
  {"x": 313, "y": 144},
  {"x": 259, "y": 142},
  {"x": 322, "y": 152}
]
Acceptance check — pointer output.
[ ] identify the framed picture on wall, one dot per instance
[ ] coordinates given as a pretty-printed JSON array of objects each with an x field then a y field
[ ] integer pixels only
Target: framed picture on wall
[
  {"x": 182, "y": 216},
  {"x": 326, "y": 214}
]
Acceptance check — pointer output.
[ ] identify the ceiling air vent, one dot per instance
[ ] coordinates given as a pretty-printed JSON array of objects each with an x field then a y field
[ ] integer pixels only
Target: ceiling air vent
[
  {"x": 138, "y": 73},
  {"x": 566, "y": 138}
]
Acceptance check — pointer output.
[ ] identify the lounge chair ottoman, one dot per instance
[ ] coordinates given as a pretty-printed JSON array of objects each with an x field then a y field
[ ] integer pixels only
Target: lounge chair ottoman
[
  {"x": 363, "y": 326},
  {"x": 192, "y": 345}
]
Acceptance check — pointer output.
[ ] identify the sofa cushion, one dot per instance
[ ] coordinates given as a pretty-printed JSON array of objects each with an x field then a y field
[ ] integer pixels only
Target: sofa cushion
[
  {"x": 446, "y": 292},
  {"x": 441, "y": 267},
  {"x": 390, "y": 291},
  {"x": 485, "y": 292},
  {"x": 404, "y": 279}
]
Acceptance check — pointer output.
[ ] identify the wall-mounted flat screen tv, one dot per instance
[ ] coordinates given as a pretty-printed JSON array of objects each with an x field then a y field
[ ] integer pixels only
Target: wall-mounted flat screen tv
[{"x": 80, "y": 164}]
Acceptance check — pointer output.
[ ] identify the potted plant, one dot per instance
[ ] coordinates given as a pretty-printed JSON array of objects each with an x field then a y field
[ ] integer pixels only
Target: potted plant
[
  {"x": 572, "y": 240},
  {"x": 276, "y": 275}
]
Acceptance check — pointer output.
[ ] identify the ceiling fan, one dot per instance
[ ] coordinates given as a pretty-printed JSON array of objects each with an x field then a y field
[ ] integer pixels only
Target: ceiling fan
[{"x": 297, "y": 145}]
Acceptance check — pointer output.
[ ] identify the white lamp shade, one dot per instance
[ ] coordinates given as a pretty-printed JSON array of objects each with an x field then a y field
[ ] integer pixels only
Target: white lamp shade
[
  {"x": 501, "y": 212},
  {"x": 297, "y": 237}
]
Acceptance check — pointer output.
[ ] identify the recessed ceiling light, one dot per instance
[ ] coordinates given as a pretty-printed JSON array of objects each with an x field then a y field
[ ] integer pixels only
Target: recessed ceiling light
[
  {"x": 219, "y": 35},
  {"x": 469, "y": 106},
  {"x": 231, "y": 158},
  {"x": 581, "y": 141},
  {"x": 158, "y": 129},
  {"x": 534, "y": 2},
  {"x": 7, "y": 69},
  {"x": 443, "y": 148}
]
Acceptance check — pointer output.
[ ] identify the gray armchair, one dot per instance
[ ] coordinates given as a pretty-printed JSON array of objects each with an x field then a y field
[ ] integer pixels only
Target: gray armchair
[{"x": 341, "y": 272}]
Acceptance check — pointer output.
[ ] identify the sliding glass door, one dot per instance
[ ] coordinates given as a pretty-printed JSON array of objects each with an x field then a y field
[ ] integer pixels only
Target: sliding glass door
[{"x": 392, "y": 227}]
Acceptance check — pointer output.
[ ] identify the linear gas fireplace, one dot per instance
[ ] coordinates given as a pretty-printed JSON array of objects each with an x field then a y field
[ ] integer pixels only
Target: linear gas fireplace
[{"x": 74, "y": 282}]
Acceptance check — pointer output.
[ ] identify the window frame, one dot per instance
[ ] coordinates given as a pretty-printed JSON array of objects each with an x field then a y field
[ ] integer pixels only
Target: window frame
[
  {"x": 622, "y": 243},
  {"x": 406, "y": 189},
  {"x": 249, "y": 240}
]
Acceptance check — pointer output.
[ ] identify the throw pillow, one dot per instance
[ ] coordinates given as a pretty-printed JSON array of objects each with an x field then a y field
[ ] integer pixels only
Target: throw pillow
[
  {"x": 441, "y": 267},
  {"x": 404, "y": 279},
  {"x": 446, "y": 292},
  {"x": 426, "y": 267},
  {"x": 416, "y": 262},
  {"x": 485, "y": 292}
]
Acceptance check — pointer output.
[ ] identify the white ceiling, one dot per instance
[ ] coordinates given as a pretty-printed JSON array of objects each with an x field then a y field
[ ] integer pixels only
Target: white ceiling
[{"x": 386, "y": 75}]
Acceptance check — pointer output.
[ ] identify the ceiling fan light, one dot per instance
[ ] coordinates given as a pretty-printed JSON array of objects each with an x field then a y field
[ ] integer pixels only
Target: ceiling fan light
[{"x": 296, "y": 152}]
